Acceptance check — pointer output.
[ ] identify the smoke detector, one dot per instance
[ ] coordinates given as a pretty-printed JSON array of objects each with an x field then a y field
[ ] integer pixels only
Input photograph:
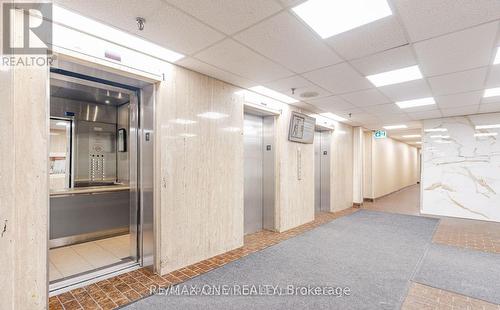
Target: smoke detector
[{"x": 309, "y": 94}]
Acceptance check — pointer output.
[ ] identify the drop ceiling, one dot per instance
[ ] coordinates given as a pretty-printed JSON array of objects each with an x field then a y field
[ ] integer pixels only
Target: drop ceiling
[{"x": 262, "y": 42}]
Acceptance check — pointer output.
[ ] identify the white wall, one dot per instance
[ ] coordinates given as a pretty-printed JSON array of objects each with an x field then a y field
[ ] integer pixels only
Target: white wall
[
  {"x": 394, "y": 166},
  {"x": 461, "y": 174}
]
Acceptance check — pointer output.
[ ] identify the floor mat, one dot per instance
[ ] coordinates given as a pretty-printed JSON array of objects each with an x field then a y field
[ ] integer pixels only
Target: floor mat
[
  {"x": 373, "y": 254},
  {"x": 467, "y": 272}
]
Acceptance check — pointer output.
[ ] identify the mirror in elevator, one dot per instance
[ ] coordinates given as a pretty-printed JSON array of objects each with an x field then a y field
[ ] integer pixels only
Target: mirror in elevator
[{"x": 93, "y": 194}]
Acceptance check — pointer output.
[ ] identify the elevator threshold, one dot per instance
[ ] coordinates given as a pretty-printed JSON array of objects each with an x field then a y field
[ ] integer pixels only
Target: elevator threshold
[{"x": 88, "y": 278}]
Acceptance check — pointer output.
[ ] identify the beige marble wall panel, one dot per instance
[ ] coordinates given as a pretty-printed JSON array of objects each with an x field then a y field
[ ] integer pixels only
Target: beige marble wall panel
[
  {"x": 200, "y": 206},
  {"x": 341, "y": 179},
  {"x": 295, "y": 191},
  {"x": 23, "y": 186},
  {"x": 367, "y": 165}
]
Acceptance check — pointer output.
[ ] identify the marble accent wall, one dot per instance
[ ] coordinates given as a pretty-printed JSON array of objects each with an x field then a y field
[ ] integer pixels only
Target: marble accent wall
[
  {"x": 24, "y": 133},
  {"x": 461, "y": 167},
  {"x": 295, "y": 172},
  {"x": 341, "y": 178},
  {"x": 199, "y": 164},
  {"x": 357, "y": 154}
]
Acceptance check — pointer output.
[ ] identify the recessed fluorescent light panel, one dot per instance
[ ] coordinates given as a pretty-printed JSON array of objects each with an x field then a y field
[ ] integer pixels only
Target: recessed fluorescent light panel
[
  {"x": 416, "y": 103},
  {"x": 497, "y": 57},
  {"x": 331, "y": 17},
  {"x": 436, "y": 130},
  {"x": 493, "y": 126},
  {"x": 334, "y": 117},
  {"x": 391, "y": 127},
  {"x": 486, "y": 134},
  {"x": 492, "y": 92},
  {"x": 212, "y": 115},
  {"x": 440, "y": 137},
  {"x": 411, "y": 136},
  {"x": 273, "y": 94},
  {"x": 395, "y": 76}
]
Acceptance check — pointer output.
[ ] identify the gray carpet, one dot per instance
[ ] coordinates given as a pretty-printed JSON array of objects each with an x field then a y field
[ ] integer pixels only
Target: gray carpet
[
  {"x": 373, "y": 253},
  {"x": 467, "y": 272}
]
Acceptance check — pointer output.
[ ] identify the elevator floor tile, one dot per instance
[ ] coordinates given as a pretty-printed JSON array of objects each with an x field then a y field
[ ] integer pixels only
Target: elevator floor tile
[{"x": 79, "y": 258}]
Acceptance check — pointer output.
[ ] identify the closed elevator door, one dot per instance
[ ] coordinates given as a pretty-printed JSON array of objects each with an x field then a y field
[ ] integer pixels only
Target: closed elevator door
[
  {"x": 322, "y": 171},
  {"x": 253, "y": 163}
]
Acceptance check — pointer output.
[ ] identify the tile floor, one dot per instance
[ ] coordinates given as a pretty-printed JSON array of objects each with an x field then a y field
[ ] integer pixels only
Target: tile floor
[
  {"x": 422, "y": 297},
  {"x": 126, "y": 288},
  {"x": 74, "y": 259}
]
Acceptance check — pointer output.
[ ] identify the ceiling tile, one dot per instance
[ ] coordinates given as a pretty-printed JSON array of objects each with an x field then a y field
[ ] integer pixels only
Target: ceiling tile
[
  {"x": 366, "y": 98},
  {"x": 301, "y": 86},
  {"x": 407, "y": 91},
  {"x": 458, "y": 82},
  {"x": 286, "y": 40},
  {"x": 228, "y": 16},
  {"x": 396, "y": 118},
  {"x": 458, "y": 51},
  {"x": 165, "y": 25},
  {"x": 380, "y": 35},
  {"x": 383, "y": 109},
  {"x": 341, "y": 78},
  {"x": 489, "y": 107},
  {"x": 236, "y": 58},
  {"x": 214, "y": 72},
  {"x": 424, "y": 19},
  {"x": 392, "y": 59},
  {"x": 425, "y": 115},
  {"x": 332, "y": 104},
  {"x": 290, "y": 3},
  {"x": 459, "y": 100},
  {"x": 460, "y": 111}
]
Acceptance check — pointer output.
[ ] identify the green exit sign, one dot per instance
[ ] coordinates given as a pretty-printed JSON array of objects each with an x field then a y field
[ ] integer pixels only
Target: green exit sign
[{"x": 380, "y": 134}]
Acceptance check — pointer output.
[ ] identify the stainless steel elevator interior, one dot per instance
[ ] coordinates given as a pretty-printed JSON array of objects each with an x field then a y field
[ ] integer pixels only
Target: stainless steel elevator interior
[
  {"x": 101, "y": 175},
  {"x": 259, "y": 166},
  {"x": 322, "y": 140}
]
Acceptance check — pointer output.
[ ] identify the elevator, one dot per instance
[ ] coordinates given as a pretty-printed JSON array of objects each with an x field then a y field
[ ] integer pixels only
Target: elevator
[
  {"x": 101, "y": 174},
  {"x": 259, "y": 171},
  {"x": 322, "y": 140}
]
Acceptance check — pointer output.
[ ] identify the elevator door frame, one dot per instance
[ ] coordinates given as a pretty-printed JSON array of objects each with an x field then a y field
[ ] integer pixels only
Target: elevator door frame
[
  {"x": 322, "y": 170},
  {"x": 141, "y": 173},
  {"x": 268, "y": 167}
]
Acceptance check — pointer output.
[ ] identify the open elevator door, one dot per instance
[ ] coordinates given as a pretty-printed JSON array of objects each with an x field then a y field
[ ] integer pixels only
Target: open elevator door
[{"x": 101, "y": 210}]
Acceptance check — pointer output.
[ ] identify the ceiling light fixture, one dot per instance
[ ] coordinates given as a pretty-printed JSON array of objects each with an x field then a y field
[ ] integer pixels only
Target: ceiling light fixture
[
  {"x": 391, "y": 127},
  {"x": 396, "y": 76},
  {"x": 492, "y": 92},
  {"x": 486, "y": 134},
  {"x": 334, "y": 117},
  {"x": 331, "y": 17},
  {"x": 273, "y": 94},
  {"x": 436, "y": 130},
  {"x": 497, "y": 57},
  {"x": 416, "y": 103},
  {"x": 440, "y": 137},
  {"x": 213, "y": 115},
  {"x": 411, "y": 136},
  {"x": 418, "y": 142},
  {"x": 493, "y": 126}
]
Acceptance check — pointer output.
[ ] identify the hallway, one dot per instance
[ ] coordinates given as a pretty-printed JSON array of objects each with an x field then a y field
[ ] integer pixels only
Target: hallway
[{"x": 342, "y": 246}]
